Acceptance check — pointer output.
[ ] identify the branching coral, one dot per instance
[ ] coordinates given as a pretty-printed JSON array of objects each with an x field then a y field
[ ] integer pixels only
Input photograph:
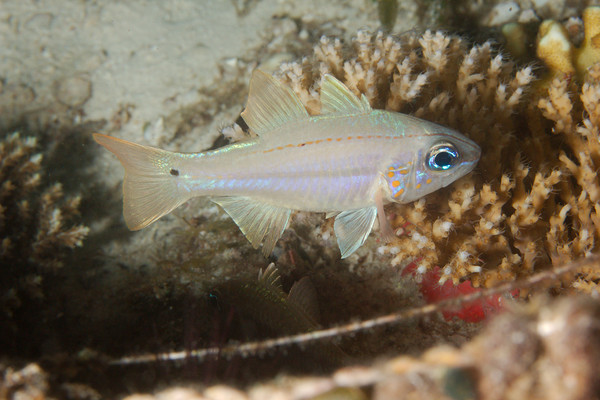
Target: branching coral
[
  {"x": 534, "y": 195},
  {"x": 32, "y": 222},
  {"x": 35, "y": 226}
]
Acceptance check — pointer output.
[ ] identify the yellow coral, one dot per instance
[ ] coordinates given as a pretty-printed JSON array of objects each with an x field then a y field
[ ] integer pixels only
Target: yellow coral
[
  {"x": 589, "y": 51},
  {"x": 556, "y": 50}
]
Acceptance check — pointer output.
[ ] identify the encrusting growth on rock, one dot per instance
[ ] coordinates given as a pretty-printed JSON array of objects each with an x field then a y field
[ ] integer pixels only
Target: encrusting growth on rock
[{"x": 533, "y": 198}]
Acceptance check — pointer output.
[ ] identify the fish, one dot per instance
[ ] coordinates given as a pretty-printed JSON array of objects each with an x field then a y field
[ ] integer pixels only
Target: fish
[
  {"x": 264, "y": 302},
  {"x": 346, "y": 162}
]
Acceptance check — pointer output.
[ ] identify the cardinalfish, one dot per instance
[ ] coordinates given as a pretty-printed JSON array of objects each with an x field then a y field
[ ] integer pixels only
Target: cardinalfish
[
  {"x": 265, "y": 302},
  {"x": 347, "y": 162}
]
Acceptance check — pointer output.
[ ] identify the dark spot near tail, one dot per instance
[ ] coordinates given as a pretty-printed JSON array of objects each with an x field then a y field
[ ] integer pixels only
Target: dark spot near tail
[{"x": 174, "y": 172}]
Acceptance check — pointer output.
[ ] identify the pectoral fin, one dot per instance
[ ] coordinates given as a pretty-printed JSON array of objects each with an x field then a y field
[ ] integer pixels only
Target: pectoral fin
[
  {"x": 258, "y": 221},
  {"x": 352, "y": 228}
]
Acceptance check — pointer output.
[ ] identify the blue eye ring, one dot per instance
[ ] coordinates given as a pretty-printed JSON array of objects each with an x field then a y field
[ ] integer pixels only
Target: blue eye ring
[{"x": 442, "y": 157}]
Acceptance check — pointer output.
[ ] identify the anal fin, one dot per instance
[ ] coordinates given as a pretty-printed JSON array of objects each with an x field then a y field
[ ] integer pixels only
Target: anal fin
[
  {"x": 352, "y": 228},
  {"x": 259, "y": 222}
]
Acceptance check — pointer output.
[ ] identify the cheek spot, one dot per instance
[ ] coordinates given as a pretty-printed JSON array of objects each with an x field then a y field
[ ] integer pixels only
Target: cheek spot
[
  {"x": 390, "y": 174},
  {"x": 418, "y": 186},
  {"x": 428, "y": 181},
  {"x": 396, "y": 184}
]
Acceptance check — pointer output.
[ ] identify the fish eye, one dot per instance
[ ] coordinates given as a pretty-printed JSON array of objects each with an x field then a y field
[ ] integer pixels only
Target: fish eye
[{"x": 442, "y": 157}]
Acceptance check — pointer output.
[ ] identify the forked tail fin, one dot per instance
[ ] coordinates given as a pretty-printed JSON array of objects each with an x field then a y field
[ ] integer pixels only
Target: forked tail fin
[{"x": 151, "y": 187}]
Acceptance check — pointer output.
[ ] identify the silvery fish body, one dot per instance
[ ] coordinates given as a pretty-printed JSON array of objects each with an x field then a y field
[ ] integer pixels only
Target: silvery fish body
[{"x": 348, "y": 162}]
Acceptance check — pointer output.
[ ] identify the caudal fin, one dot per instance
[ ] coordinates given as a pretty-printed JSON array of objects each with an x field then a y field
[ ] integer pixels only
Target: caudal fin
[{"x": 150, "y": 186}]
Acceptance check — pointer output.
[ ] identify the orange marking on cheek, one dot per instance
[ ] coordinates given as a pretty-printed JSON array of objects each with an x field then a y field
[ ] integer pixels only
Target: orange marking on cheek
[
  {"x": 418, "y": 186},
  {"x": 403, "y": 171},
  {"x": 399, "y": 192},
  {"x": 391, "y": 174},
  {"x": 428, "y": 181},
  {"x": 396, "y": 184}
]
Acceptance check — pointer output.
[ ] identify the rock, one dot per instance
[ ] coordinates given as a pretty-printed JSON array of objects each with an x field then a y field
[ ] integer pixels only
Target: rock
[{"x": 73, "y": 91}]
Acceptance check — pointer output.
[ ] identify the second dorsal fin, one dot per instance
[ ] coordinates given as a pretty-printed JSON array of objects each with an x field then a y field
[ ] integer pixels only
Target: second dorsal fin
[
  {"x": 270, "y": 104},
  {"x": 304, "y": 295},
  {"x": 337, "y": 98}
]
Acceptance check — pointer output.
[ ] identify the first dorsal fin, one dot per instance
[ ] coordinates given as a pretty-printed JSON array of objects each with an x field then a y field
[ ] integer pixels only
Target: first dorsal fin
[
  {"x": 337, "y": 98},
  {"x": 270, "y": 276},
  {"x": 270, "y": 104}
]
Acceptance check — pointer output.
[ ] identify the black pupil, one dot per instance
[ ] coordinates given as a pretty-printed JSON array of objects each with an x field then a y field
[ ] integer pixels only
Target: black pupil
[{"x": 443, "y": 159}]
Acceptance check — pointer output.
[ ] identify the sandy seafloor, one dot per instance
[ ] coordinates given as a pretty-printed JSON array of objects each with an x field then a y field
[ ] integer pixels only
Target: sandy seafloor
[{"x": 172, "y": 74}]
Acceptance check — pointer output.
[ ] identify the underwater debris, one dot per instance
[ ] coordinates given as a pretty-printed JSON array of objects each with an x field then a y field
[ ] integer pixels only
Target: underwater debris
[{"x": 533, "y": 197}]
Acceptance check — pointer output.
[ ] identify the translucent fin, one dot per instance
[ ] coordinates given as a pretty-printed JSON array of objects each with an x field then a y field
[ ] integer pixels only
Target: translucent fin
[
  {"x": 352, "y": 228},
  {"x": 150, "y": 187},
  {"x": 270, "y": 276},
  {"x": 331, "y": 214},
  {"x": 337, "y": 98},
  {"x": 271, "y": 104},
  {"x": 304, "y": 295},
  {"x": 387, "y": 233},
  {"x": 257, "y": 220}
]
